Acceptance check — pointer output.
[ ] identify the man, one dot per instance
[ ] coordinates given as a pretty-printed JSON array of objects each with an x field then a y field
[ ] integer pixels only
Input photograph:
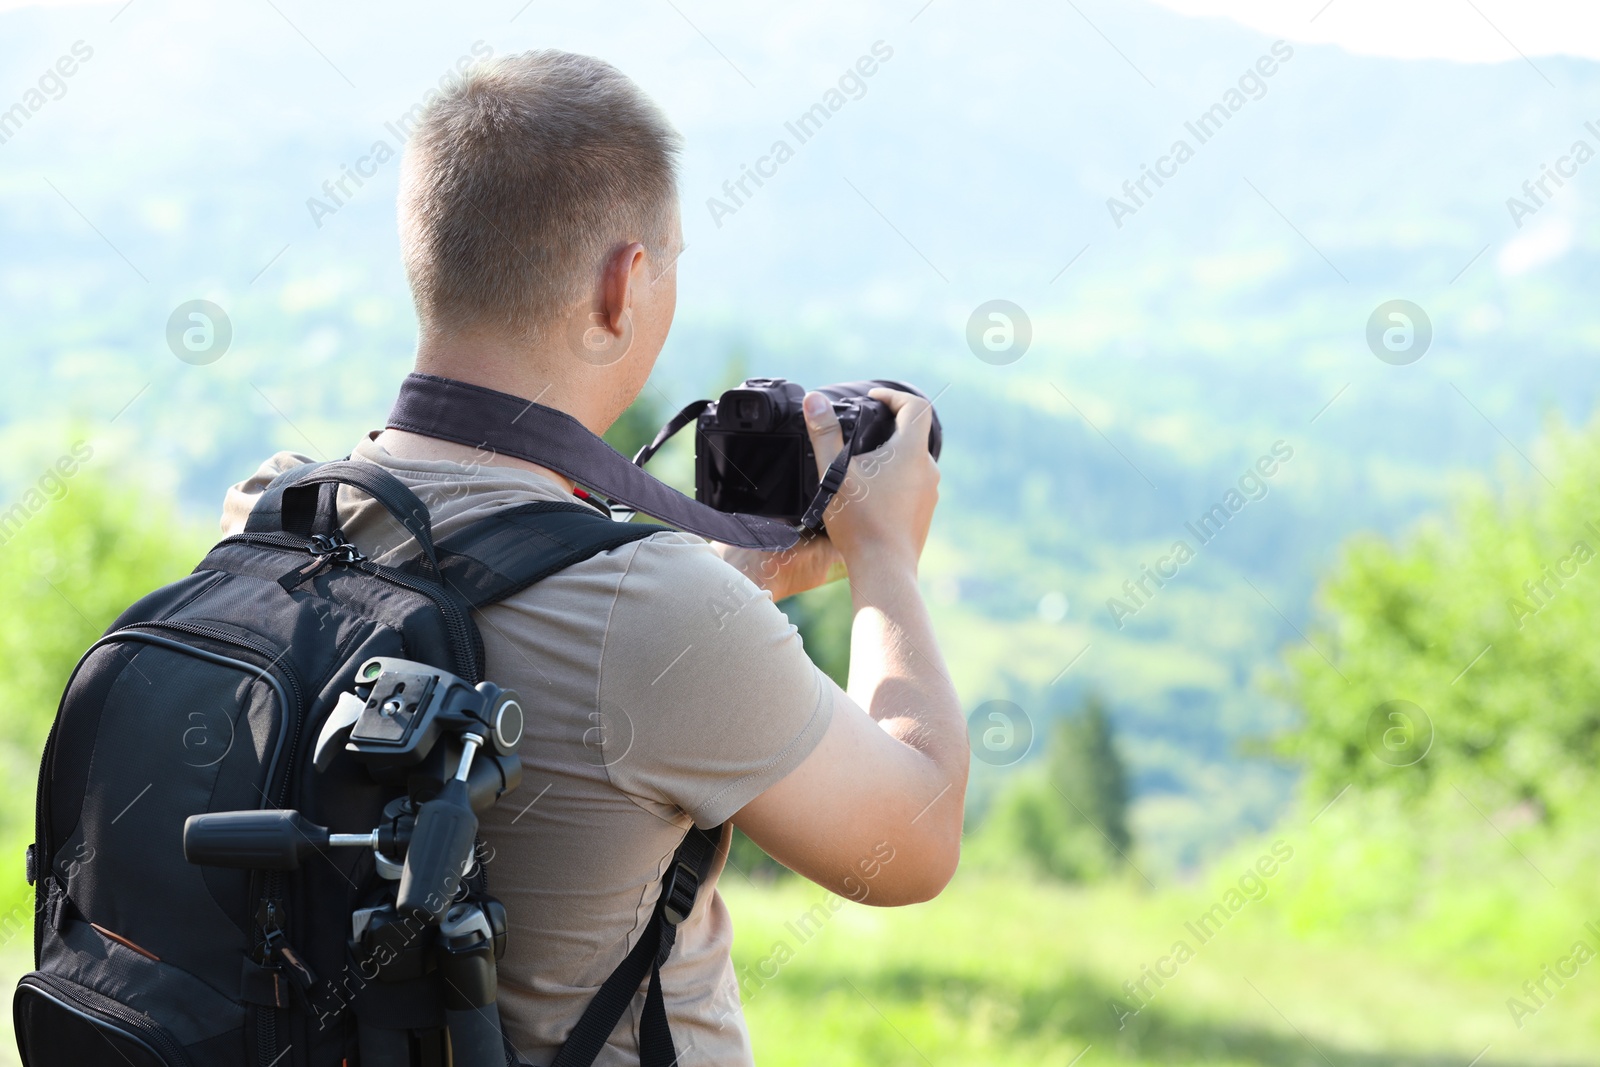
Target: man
[{"x": 539, "y": 224}]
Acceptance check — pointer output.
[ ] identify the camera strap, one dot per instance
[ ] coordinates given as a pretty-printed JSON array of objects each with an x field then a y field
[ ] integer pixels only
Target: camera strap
[
  {"x": 503, "y": 424},
  {"x": 690, "y": 412},
  {"x": 832, "y": 479}
]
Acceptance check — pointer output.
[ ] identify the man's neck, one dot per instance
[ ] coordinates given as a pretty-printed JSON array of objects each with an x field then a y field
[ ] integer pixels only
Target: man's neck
[
  {"x": 506, "y": 368},
  {"x": 544, "y": 373}
]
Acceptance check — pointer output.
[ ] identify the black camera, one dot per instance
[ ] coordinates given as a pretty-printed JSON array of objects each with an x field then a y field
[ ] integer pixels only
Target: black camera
[{"x": 752, "y": 452}]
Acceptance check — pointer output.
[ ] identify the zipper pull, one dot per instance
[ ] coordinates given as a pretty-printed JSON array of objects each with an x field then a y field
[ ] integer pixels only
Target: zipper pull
[
  {"x": 341, "y": 550},
  {"x": 300, "y": 575},
  {"x": 277, "y": 947},
  {"x": 326, "y": 550},
  {"x": 269, "y": 916}
]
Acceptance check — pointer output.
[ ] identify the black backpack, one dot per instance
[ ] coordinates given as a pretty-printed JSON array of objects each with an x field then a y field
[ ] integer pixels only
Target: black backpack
[{"x": 210, "y": 695}]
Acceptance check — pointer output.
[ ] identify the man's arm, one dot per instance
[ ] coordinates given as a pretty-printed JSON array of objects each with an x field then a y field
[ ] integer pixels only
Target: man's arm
[{"x": 874, "y": 812}]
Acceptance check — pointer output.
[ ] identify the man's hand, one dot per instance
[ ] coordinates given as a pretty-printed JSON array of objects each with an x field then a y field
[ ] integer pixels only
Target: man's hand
[{"x": 886, "y": 503}]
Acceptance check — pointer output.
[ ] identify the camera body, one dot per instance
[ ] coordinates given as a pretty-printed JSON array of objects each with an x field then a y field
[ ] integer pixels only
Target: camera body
[{"x": 753, "y": 454}]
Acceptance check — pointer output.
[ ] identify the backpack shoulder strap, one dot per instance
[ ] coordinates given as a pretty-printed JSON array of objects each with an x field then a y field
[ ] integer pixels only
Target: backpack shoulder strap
[
  {"x": 505, "y": 553},
  {"x": 691, "y": 865},
  {"x": 499, "y": 557}
]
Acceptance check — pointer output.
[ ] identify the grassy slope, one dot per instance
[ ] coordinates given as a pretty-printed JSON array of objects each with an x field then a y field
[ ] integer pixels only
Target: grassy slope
[{"x": 1003, "y": 973}]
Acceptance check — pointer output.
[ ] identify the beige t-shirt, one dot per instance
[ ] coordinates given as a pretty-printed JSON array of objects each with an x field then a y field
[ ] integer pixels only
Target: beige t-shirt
[{"x": 661, "y": 686}]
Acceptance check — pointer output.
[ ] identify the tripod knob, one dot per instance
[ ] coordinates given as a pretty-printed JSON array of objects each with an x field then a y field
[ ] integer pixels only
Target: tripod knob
[
  {"x": 256, "y": 840},
  {"x": 440, "y": 853}
]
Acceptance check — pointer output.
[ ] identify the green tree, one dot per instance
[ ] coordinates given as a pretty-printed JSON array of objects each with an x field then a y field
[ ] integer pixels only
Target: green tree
[
  {"x": 1065, "y": 816},
  {"x": 824, "y": 616},
  {"x": 1085, "y": 769},
  {"x": 638, "y": 423},
  {"x": 1462, "y": 659}
]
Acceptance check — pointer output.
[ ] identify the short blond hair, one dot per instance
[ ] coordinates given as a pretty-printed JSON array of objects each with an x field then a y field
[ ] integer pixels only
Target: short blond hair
[{"x": 519, "y": 181}]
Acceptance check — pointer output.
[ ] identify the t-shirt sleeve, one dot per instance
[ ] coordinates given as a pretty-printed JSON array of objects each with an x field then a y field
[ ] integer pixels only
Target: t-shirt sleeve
[
  {"x": 708, "y": 680},
  {"x": 242, "y": 497}
]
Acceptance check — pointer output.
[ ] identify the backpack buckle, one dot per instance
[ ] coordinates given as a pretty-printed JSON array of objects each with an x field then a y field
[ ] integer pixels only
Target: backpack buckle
[{"x": 677, "y": 895}]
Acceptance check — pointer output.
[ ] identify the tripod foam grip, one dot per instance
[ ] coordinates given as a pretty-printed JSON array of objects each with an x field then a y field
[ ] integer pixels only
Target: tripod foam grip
[
  {"x": 439, "y": 854},
  {"x": 475, "y": 1039},
  {"x": 256, "y": 840}
]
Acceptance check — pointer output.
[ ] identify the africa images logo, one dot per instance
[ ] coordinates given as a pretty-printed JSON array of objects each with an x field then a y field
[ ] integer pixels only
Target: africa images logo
[
  {"x": 803, "y": 128},
  {"x": 337, "y": 189},
  {"x": 1202, "y": 128}
]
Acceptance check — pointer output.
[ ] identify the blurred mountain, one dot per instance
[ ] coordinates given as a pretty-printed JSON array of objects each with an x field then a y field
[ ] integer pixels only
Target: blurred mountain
[{"x": 1172, "y": 348}]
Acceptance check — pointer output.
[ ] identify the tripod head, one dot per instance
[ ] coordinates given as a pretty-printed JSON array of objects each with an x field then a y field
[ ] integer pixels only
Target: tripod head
[
  {"x": 400, "y": 709},
  {"x": 452, "y": 748},
  {"x": 451, "y": 745}
]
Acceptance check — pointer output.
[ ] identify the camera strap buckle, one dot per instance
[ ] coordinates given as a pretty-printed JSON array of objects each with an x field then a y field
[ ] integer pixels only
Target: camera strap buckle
[{"x": 832, "y": 479}]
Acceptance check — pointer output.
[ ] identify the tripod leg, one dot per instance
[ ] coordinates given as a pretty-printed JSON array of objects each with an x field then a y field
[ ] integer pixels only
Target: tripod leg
[
  {"x": 475, "y": 1039},
  {"x": 466, "y": 957},
  {"x": 397, "y": 1017},
  {"x": 383, "y": 1048}
]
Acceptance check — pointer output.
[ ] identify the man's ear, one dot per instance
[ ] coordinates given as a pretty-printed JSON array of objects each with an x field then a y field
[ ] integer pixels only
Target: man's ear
[{"x": 623, "y": 270}]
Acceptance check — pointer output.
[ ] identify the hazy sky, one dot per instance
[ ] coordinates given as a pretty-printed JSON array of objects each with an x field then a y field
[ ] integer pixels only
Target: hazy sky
[{"x": 1474, "y": 31}]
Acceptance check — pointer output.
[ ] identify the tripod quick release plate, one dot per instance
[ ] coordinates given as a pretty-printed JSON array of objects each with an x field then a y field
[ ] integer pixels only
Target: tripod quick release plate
[
  {"x": 400, "y": 709},
  {"x": 398, "y": 702}
]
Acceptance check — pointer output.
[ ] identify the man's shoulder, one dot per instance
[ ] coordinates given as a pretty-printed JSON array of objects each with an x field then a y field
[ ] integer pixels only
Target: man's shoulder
[
  {"x": 669, "y": 586},
  {"x": 685, "y": 570},
  {"x": 669, "y": 575}
]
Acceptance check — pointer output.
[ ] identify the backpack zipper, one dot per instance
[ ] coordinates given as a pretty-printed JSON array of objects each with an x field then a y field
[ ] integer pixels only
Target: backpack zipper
[
  {"x": 463, "y": 634},
  {"x": 165, "y": 1045},
  {"x": 41, "y": 848}
]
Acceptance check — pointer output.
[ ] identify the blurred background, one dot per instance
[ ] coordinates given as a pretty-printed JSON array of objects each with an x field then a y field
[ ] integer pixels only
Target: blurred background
[{"x": 1263, "y": 336}]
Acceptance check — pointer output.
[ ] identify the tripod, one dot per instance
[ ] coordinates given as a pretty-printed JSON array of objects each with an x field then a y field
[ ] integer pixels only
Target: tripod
[
  {"x": 426, "y": 728},
  {"x": 462, "y": 945}
]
